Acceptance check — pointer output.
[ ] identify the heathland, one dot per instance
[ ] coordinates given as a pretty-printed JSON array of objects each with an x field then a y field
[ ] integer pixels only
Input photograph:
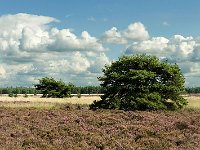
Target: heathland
[{"x": 41, "y": 123}]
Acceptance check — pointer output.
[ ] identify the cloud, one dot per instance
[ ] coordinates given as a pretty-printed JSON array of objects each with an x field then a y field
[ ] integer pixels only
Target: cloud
[
  {"x": 153, "y": 46},
  {"x": 2, "y": 72},
  {"x": 165, "y": 23},
  {"x": 178, "y": 49},
  {"x": 28, "y": 32},
  {"x": 113, "y": 36},
  {"x": 74, "y": 63},
  {"x": 134, "y": 32},
  {"x": 33, "y": 40},
  {"x": 102, "y": 60},
  {"x": 65, "y": 40},
  {"x": 30, "y": 49}
]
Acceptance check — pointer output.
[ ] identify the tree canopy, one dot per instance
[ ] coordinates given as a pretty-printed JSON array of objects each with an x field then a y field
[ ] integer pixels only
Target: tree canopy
[
  {"x": 49, "y": 87},
  {"x": 141, "y": 82}
]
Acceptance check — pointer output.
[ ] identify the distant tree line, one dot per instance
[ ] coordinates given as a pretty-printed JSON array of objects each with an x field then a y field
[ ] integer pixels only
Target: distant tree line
[
  {"x": 193, "y": 90},
  {"x": 87, "y": 90},
  {"x": 31, "y": 90},
  {"x": 75, "y": 90},
  {"x": 18, "y": 90}
]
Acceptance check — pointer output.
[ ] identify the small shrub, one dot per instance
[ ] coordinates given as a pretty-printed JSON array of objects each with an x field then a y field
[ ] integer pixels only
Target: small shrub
[
  {"x": 11, "y": 95},
  {"x": 181, "y": 125},
  {"x": 79, "y": 95}
]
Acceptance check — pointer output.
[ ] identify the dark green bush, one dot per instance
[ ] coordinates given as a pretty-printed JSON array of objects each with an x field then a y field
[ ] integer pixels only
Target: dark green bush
[
  {"x": 49, "y": 87},
  {"x": 11, "y": 95}
]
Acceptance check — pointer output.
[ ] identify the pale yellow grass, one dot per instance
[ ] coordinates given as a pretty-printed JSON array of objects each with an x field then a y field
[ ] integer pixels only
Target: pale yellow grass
[
  {"x": 43, "y": 102},
  {"x": 193, "y": 102}
]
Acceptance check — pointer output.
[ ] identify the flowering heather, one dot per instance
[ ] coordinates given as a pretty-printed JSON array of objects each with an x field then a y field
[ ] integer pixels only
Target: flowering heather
[{"x": 103, "y": 129}]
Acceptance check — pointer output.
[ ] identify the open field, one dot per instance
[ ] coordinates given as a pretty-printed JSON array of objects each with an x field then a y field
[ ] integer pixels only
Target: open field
[
  {"x": 48, "y": 123},
  {"x": 193, "y": 102},
  {"x": 85, "y": 129},
  {"x": 37, "y": 102}
]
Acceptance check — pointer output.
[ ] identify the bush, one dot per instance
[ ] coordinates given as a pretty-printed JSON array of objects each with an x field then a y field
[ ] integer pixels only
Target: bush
[
  {"x": 10, "y": 94},
  {"x": 79, "y": 95},
  {"x": 141, "y": 82},
  {"x": 25, "y": 95}
]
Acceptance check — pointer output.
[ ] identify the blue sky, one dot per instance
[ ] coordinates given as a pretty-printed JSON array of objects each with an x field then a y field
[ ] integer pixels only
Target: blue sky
[
  {"x": 183, "y": 15},
  {"x": 167, "y": 28}
]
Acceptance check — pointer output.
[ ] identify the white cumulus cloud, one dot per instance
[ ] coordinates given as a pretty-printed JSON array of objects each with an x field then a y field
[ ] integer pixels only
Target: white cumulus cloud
[
  {"x": 134, "y": 32},
  {"x": 30, "y": 49},
  {"x": 113, "y": 36}
]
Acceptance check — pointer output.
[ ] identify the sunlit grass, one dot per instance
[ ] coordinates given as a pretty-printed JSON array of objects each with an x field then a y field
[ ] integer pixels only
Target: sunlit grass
[
  {"x": 193, "y": 102},
  {"x": 38, "y": 102}
]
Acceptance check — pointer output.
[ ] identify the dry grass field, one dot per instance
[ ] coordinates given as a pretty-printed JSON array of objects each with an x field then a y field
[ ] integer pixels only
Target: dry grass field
[
  {"x": 193, "y": 102},
  {"x": 38, "y": 102}
]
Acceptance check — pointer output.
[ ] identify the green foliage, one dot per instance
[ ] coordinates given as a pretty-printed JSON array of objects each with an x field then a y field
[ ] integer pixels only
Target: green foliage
[
  {"x": 25, "y": 95},
  {"x": 31, "y": 90},
  {"x": 49, "y": 87},
  {"x": 193, "y": 90},
  {"x": 18, "y": 90},
  {"x": 87, "y": 90},
  {"x": 11, "y": 95},
  {"x": 79, "y": 95},
  {"x": 141, "y": 82}
]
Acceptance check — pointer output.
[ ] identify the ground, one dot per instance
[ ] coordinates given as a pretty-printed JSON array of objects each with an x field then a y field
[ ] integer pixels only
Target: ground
[{"x": 68, "y": 126}]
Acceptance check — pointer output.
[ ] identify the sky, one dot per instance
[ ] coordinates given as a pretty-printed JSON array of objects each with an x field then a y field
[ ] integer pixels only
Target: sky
[{"x": 72, "y": 40}]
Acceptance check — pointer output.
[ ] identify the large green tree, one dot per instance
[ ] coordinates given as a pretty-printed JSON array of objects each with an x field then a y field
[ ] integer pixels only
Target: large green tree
[
  {"x": 49, "y": 87},
  {"x": 141, "y": 82}
]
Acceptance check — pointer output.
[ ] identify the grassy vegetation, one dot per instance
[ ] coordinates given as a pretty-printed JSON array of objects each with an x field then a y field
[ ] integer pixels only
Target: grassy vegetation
[
  {"x": 37, "y": 102},
  {"x": 56, "y": 124},
  {"x": 194, "y": 102}
]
